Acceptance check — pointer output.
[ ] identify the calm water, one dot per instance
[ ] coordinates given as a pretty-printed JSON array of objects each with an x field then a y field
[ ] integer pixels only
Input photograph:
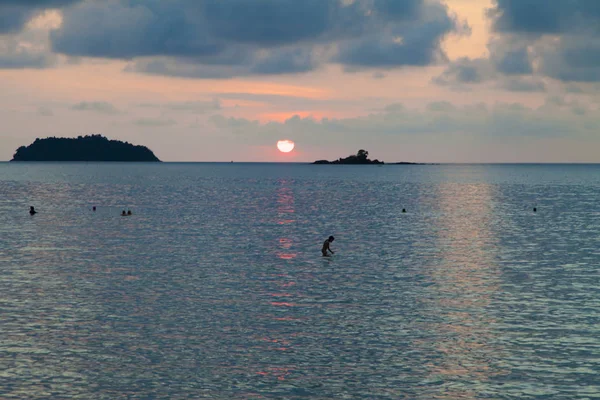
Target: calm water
[{"x": 215, "y": 287}]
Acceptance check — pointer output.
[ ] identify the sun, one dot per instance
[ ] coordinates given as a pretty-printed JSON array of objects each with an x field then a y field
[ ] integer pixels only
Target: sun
[{"x": 285, "y": 146}]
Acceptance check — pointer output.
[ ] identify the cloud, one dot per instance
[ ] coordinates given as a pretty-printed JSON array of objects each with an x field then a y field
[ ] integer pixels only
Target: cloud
[
  {"x": 534, "y": 39},
  {"x": 414, "y": 43},
  {"x": 13, "y": 55},
  {"x": 285, "y": 61},
  {"x": 441, "y": 106},
  {"x": 394, "y": 108},
  {"x": 198, "y": 107},
  {"x": 561, "y": 34},
  {"x": 14, "y": 14},
  {"x": 266, "y": 62},
  {"x": 26, "y": 49},
  {"x": 525, "y": 84},
  {"x": 395, "y": 125},
  {"x": 225, "y": 38},
  {"x": 545, "y": 17},
  {"x": 185, "y": 69},
  {"x": 101, "y": 107},
  {"x": 45, "y": 112},
  {"x": 269, "y": 22},
  {"x": 513, "y": 62},
  {"x": 124, "y": 29},
  {"x": 466, "y": 71},
  {"x": 154, "y": 122},
  {"x": 560, "y": 104},
  {"x": 572, "y": 59},
  {"x": 508, "y": 56}
]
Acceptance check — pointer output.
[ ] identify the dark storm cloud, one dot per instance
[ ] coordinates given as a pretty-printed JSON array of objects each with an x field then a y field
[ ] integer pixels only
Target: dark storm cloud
[
  {"x": 573, "y": 52},
  {"x": 394, "y": 9},
  {"x": 194, "y": 38},
  {"x": 574, "y": 59},
  {"x": 187, "y": 28},
  {"x": 269, "y": 22},
  {"x": 14, "y": 14},
  {"x": 415, "y": 43},
  {"x": 38, "y": 3},
  {"x": 545, "y": 16},
  {"x": 418, "y": 47},
  {"x": 284, "y": 62},
  {"x": 271, "y": 62},
  {"x": 128, "y": 29}
]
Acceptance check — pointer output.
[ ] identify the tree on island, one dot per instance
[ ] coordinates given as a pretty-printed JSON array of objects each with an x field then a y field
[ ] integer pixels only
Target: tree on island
[
  {"x": 83, "y": 148},
  {"x": 361, "y": 157}
]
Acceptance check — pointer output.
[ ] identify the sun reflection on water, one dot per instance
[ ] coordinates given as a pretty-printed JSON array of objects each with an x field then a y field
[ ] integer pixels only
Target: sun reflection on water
[{"x": 465, "y": 277}]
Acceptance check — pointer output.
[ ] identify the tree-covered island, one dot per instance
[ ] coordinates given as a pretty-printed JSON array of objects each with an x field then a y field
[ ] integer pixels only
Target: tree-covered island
[
  {"x": 83, "y": 148},
  {"x": 361, "y": 157}
]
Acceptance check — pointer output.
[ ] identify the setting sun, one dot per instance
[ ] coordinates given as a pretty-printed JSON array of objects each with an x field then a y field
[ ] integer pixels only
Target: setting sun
[{"x": 285, "y": 146}]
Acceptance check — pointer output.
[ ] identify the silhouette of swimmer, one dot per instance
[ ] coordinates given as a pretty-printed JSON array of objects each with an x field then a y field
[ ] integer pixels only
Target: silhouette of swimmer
[
  {"x": 128, "y": 212},
  {"x": 326, "y": 246},
  {"x": 123, "y": 214},
  {"x": 32, "y": 210},
  {"x": 534, "y": 209},
  {"x": 94, "y": 208}
]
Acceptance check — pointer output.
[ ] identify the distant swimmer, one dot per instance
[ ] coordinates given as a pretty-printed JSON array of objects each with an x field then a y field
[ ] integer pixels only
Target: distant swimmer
[
  {"x": 32, "y": 210},
  {"x": 326, "y": 246},
  {"x": 123, "y": 214},
  {"x": 94, "y": 208},
  {"x": 128, "y": 212}
]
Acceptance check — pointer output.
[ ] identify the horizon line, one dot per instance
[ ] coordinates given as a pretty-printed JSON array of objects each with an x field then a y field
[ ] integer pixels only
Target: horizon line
[{"x": 407, "y": 163}]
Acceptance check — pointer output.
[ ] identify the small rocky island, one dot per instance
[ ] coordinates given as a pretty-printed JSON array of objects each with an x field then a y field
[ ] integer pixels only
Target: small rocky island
[
  {"x": 361, "y": 157},
  {"x": 83, "y": 148}
]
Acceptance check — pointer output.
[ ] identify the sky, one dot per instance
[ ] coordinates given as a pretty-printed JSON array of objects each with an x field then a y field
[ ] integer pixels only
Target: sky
[{"x": 223, "y": 80}]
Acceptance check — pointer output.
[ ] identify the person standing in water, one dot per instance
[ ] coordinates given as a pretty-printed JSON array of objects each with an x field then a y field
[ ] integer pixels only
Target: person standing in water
[
  {"x": 32, "y": 210},
  {"x": 326, "y": 246}
]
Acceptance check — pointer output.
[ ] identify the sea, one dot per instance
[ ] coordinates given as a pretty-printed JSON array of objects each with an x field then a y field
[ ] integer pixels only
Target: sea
[{"x": 445, "y": 282}]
